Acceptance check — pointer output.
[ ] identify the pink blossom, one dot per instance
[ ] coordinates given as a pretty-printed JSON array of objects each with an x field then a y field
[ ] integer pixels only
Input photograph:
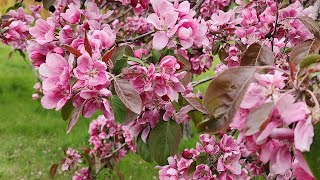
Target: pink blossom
[
  {"x": 164, "y": 20},
  {"x": 91, "y": 72},
  {"x": 43, "y": 31},
  {"x": 83, "y": 174},
  {"x": 289, "y": 110},
  {"x": 72, "y": 14},
  {"x": 303, "y": 135}
]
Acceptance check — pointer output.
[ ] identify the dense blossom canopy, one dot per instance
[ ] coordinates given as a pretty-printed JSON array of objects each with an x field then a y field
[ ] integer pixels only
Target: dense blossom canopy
[{"x": 135, "y": 61}]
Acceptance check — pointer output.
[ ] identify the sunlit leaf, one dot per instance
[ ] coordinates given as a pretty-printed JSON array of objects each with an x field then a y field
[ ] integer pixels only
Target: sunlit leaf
[
  {"x": 311, "y": 25},
  {"x": 118, "y": 108}
]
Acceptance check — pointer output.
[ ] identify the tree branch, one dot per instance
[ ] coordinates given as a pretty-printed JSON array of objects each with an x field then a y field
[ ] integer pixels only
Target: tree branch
[
  {"x": 136, "y": 38},
  {"x": 197, "y": 83},
  {"x": 120, "y": 16},
  {"x": 198, "y": 5}
]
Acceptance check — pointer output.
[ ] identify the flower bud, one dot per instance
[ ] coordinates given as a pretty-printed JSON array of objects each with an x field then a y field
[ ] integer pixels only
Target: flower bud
[
  {"x": 186, "y": 154},
  {"x": 134, "y": 3}
]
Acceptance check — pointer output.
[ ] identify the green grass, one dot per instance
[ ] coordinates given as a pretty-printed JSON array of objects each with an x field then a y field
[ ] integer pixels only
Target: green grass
[{"x": 32, "y": 138}]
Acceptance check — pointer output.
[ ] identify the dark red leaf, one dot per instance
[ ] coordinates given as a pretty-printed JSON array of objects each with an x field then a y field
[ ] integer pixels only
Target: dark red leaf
[
  {"x": 72, "y": 50},
  {"x": 108, "y": 55},
  {"x": 223, "y": 97},
  {"x": 7, "y": 23},
  {"x": 87, "y": 45},
  {"x": 257, "y": 55},
  {"x": 128, "y": 95},
  {"x": 53, "y": 170},
  {"x": 302, "y": 50}
]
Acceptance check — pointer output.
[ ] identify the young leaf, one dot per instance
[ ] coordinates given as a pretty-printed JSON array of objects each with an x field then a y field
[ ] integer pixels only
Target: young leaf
[
  {"x": 108, "y": 55},
  {"x": 155, "y": 56},
  {"x": 196, "y": 103},
  {"x": 257, "y": 55},
  {"x": 128, "y": 95},
  {"x": 313, "y": 156},
  {"x": 302, "y": 50},
  {"x": 67, "y": 109},
  {"x": 73, "y": 50},
  {"x": 120, "y": 64},
  {"x": 164, "y": 140},
  {"x": 143, "y": 150},
  {"x": 87, "y": 45},
  {"x": 311, "y": 25},
  {"x": 307, "y": 61},
  {"x": 257, "y": 118},
  {"x": 223, "y": 97},
  {"x": 118, "y": 108}
]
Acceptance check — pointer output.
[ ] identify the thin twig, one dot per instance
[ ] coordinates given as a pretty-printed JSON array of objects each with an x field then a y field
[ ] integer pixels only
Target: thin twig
[
  {"x": 198, "y": 5},
  {"x": 136, "y": 38},
  {"x": 120, "y": 16},
  {"x": 197, "y": 83},
  {"x": 275, "y": 26}
]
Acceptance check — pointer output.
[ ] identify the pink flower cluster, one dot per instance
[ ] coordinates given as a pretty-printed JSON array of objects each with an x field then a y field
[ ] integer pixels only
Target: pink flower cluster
[
  {"x": 109, "y": 139},
  {"x": 15, "y": 29},
  {"x": 176, "y": 19},
  {"x": 211, "y": 159},
  {"x": 83, "y": 174},
  {"x": 68, "y": 71},
  {"x": 71, "y": 161},
  {"x": 210, "y": 7},
  {"x": 284, "y": 135},
  {"x": 137, "y": 25},
  {"x": 158, "y": 86}
]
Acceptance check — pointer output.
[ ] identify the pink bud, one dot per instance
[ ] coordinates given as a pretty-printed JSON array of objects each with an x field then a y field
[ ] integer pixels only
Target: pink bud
[
  {"x": 186, "y": 154},
  {"x": 134, "y": 3},
  {"x": 144, "y": 4}
]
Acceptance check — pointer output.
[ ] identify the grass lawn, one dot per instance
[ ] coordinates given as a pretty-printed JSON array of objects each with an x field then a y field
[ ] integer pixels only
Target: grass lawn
[{"x": 32, "y": 138}]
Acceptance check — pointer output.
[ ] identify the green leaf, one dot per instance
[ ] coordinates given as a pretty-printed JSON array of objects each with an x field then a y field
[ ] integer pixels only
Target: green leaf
[
  {"x": 302, "y": 50},
  {"x": 134, "y": 59},
  {"x": 155, "y": 56},
  {"x": 119, "y": 58},
  {"x": 118, "y": 108},
  {"x": 143, "y": 149},
  {"x": 67, "y": 109},
  {"x": 257, "y": 118},
  {"x": 120, "y": 64},
  {"x": 164, "y": 140},
  {"x": 257, "y": 55},
  {"x": 223, "y": 97},
  {"x": 309, "y": 60},
  {"x": 196, "y": 117},
  {"x": 313, "y": 156}
]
